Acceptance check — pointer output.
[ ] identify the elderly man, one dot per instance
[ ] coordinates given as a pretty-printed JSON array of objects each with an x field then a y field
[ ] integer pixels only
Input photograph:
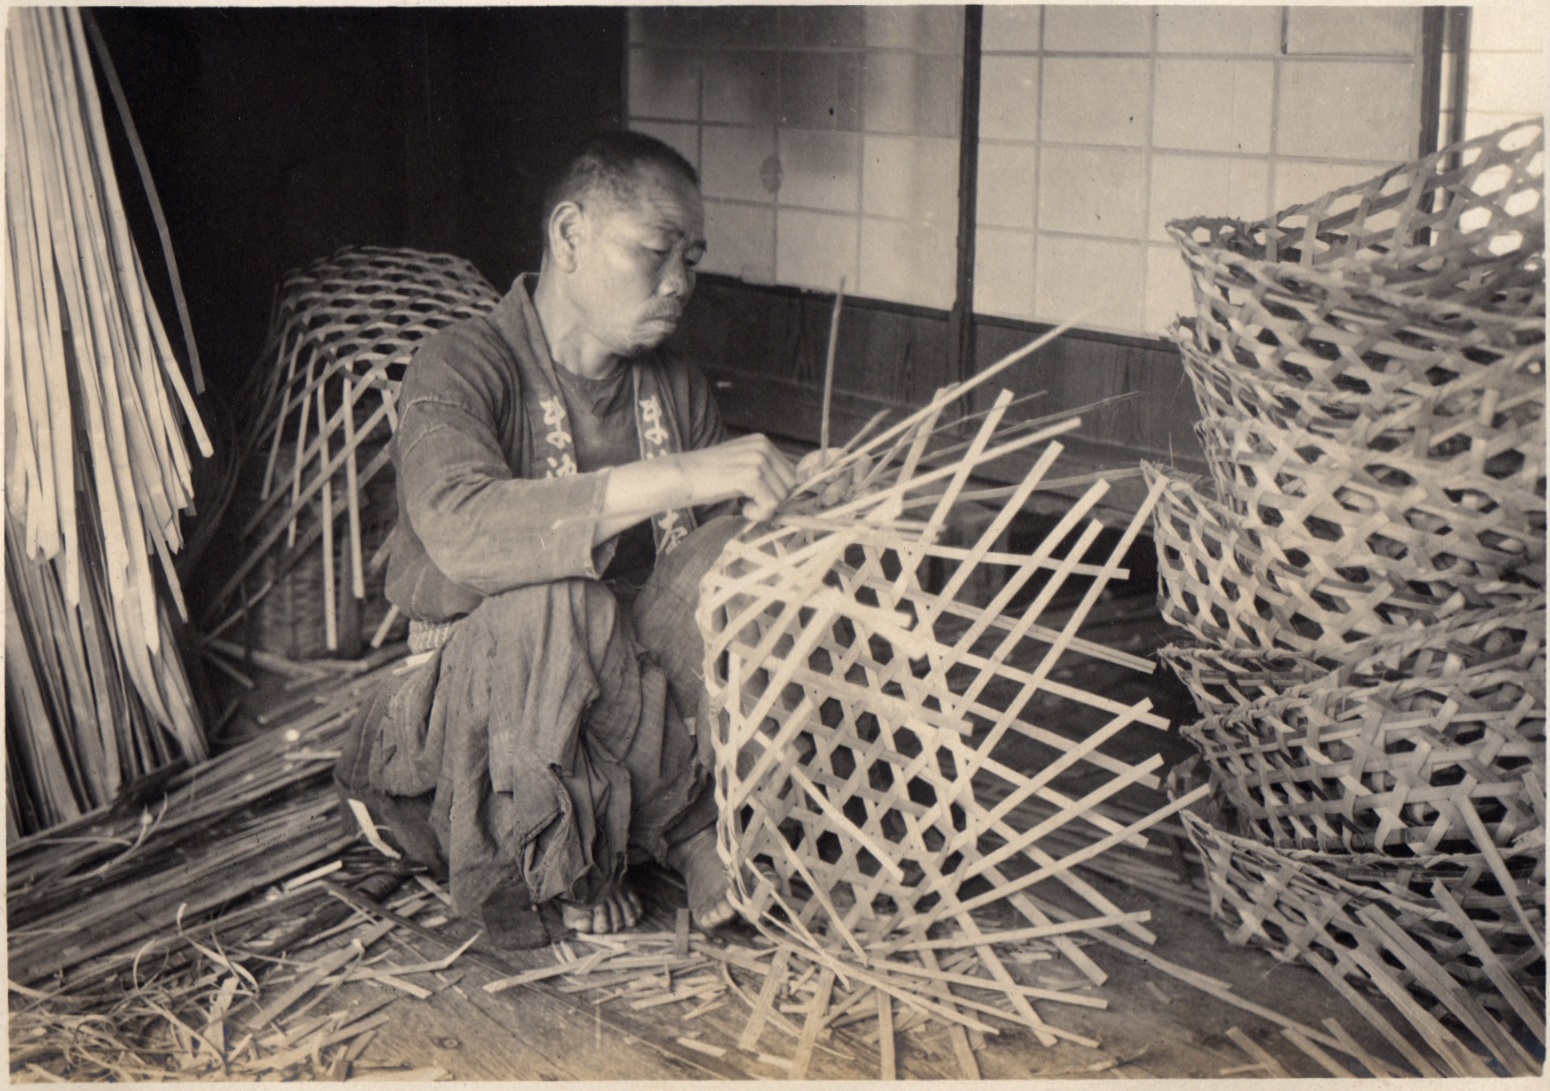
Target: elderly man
[{"x": 558, "y": 474}]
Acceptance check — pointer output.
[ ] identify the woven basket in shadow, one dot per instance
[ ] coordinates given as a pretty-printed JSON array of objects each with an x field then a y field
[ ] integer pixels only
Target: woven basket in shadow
[
  {"x": 317, "y": 489},
  {"x": 1418, "y": 503},
  {"x": 1222, "y": 680},
  {"x": 1241, "y": 589},
  {"x": 1418, "y": 766}
]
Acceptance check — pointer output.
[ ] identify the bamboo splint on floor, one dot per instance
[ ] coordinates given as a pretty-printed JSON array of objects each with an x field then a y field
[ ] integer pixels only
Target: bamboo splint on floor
[
  {"x": 867, "y": 809},
  {"x": 144, "y": 941},
  {"x": 94, "y": 891}
]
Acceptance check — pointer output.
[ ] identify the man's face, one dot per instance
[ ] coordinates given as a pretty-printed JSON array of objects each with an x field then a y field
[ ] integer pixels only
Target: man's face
[{"x": 635, "y": 269}]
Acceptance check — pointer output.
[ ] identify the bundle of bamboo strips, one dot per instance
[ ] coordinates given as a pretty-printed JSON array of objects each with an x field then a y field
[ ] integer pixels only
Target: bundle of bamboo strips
[
  {"x": 126, "y": 927},
  {"x": 223, "y": 828},
  {"x": 95, "y": 688}
]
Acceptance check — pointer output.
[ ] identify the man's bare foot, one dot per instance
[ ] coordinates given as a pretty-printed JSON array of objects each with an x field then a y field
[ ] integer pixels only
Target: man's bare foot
[
  {"x": 616, "y": 910},
  {"x": 697, "y": 861}
]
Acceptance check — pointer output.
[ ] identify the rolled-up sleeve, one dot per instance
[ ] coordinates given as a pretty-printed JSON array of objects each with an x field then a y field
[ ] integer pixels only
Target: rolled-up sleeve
[{"x": 481, "y": 524}]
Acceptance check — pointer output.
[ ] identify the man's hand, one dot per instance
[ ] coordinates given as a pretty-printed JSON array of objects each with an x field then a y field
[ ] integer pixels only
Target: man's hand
[{"x": 750, "y": 467}]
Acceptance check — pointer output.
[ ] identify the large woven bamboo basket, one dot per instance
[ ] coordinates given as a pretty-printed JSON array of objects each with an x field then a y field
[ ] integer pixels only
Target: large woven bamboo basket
[
  {"x": 1451, "y": 943},
  {"x": 317, "y": 481},
  {"x": 892, "y": 755},
  {"x": 1418, "y": 766},
  {"x": 1222, "y": 680},
  {"x": 1465, "y": 415},
  {"x": 287, "y": 613},
  {"x": 1236, "y": 588},
  {"x": 1374, "y": 287},
  {"x": 1421, "y": 504}
]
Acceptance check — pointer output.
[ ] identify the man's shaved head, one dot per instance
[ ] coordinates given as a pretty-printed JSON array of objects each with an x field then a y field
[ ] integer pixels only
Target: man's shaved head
[{"x": 610, "y": 164}]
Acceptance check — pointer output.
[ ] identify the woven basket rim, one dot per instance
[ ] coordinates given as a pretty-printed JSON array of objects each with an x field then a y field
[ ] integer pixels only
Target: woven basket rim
[
  {"x": 1370, "y": 269},
  {"x": 1373, "y": 866}
]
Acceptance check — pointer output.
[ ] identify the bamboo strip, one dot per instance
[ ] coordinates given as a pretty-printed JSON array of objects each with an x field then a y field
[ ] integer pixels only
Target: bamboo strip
[
  {"x": 817, "y": 1017},
  {"x": 74, "y": 266}
]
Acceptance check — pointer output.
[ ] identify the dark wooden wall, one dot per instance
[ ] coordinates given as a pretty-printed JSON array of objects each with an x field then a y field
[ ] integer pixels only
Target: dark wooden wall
[
  {"x": 278, "y": 135},
  {"x": 765, "y": 349}
]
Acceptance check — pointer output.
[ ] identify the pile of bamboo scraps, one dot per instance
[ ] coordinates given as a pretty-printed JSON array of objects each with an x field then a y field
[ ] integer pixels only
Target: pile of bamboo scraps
[
  {"x": 316, "y": 481},
  {"x": 123, "y": 927},
  {"x": 1364, "y": 591},
  {"x": 97, "y": 465},
  {"x": 867, "y": 809},
  {"x": 795, "y": 1006},
  {"x": 251, "y": 995}
]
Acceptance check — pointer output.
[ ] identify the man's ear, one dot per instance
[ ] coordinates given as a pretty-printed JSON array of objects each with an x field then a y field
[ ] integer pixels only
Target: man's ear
[{"x": 567, "y": 228}]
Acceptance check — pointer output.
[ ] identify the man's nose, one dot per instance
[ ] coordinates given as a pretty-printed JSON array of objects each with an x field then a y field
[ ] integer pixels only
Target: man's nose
[{"x": 677, "y": 279}]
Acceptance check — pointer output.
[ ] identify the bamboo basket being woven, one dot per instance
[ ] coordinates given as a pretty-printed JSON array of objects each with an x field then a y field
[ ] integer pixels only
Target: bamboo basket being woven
[
  {"x": 1222, "y": 680},
  {"x": 1417, "y": 766},
  {"x": 317, "y": 474},
  {"x": 1456, "y": 938},
  {"x": 1401, "y": 282},
  {"x": 862, "y": 715}
]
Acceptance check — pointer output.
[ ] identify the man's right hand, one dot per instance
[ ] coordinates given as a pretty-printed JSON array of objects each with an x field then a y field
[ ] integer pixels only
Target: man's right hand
[{"x": 749, "y": 467}]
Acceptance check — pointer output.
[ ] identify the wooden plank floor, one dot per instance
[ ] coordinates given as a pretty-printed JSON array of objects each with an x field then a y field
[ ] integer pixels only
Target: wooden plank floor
[{"x": 1155, "y": 1025}]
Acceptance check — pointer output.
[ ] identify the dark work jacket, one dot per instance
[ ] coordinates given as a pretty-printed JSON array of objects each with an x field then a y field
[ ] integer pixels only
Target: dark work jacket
[{"x": 474, "y": 516}]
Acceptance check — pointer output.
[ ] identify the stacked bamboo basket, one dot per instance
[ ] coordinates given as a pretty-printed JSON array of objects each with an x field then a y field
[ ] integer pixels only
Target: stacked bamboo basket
[
  {"x": 315, "y": 495},
  {"x": 1363, "y": 590},
  {"x": 98, "y": 417},
  {"x": 869, "y": 821}
]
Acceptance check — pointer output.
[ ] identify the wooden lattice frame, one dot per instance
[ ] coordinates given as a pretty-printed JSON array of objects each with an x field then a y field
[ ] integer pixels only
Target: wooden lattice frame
[
  {"x": 1367, "y": 286},
  {"x": 1459, "y": 937},
  {"x": 1222, "y": 680},
  {"x": 322, "y": 410},
  {"x": 854, "y": 723},
  {"x": 1415, "y": 766},
  {"x": 1238, "y": 589}
]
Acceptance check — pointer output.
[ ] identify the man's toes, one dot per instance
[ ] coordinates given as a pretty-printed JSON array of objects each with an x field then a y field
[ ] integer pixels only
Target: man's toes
[
  {"x": 716, "y": 915},
  {"x": 576, "y": 917}
]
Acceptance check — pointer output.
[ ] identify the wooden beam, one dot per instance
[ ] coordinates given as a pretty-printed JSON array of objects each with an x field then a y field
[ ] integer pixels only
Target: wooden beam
[{"x": 960, "y": 342}]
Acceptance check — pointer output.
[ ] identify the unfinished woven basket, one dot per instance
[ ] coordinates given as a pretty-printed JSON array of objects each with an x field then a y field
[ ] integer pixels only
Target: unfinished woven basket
[
  {"x": 1375, "y": 287},
  {"x": 1413, "y": 767},
  {"x": 862, "y": 719},
  {"x": 1238, "y": 589},
  {"x": 1222, "y": 680},
  {"x": 1444, "y": 937},
  {"x": 318, "y": 472}
]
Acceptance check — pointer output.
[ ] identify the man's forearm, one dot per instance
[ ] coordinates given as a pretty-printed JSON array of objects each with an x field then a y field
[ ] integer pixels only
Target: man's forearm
[{"x": 639, "y": 490}]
